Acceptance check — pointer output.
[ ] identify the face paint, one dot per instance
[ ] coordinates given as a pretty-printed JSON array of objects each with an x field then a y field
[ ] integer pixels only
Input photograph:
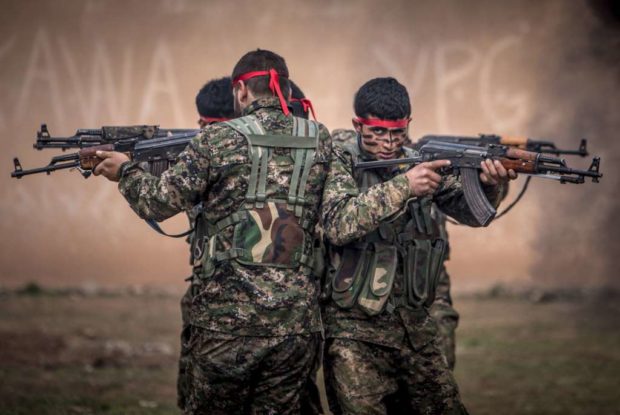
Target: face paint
[{"x": 383, "y": 139}]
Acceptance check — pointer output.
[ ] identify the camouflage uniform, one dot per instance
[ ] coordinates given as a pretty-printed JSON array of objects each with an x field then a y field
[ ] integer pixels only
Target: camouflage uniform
[
  {"x": 254, "y": 321},
  {"x": 379, "y": 346},
  {"x": 442, "y": 310}
]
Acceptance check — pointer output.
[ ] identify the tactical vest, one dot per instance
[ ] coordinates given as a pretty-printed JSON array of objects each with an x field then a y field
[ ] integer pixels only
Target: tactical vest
[
  {"x": 268, "y": 232},
  {"x": 362, "y": 273}
]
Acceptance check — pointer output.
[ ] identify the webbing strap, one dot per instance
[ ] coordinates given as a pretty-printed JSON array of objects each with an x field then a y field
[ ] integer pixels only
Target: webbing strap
[
  {"x": 302, "y": 185},
  {"x": 261, "y": 192},
  {"x": 256, "y": 156},
  {"x": 247, "y": 125},
  {"x": 159, "y": 230},
  {"x": 282, "y": 141},
  {"x": 229, "y": 254},
  {"x": 305, "y": 224},
  {"x": 226, "y": 222},
  {"x": 306, "y": 260},
  {"x": 298, "y": 156}
]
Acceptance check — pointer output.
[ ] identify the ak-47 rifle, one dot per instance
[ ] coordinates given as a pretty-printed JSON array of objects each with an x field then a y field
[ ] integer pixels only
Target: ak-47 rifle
[
  {"x": 105, "y": 135},
  {"x": 465, "y": 160},
  {"x": 522, "y": 142},
  {"x": 525, "y": 143},
  {"x": 159, "y": 153}
]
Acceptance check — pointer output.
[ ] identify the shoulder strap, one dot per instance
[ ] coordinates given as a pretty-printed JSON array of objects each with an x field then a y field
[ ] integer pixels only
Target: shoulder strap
[{"x": 246, "y": 125}]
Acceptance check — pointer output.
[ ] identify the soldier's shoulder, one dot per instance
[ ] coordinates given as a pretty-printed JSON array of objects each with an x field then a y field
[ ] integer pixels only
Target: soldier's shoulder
[
  {"x": 219, "y": 142},
  {"x": 218, "y": 134},
  {"x": 343, "y": 155},
  {"x": 342, "y": 136}
]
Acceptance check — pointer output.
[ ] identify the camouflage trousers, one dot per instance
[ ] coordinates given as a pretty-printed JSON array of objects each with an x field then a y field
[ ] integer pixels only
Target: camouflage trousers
[
  {"x": 446, "y": 317},
  {"x": 245, "y": 375},
  {"x": 365, "y": 378}
]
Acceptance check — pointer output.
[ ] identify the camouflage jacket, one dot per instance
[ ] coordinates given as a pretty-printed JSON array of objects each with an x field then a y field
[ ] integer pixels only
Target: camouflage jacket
[
  {"x": 348, "y": 215},
  {"x": 214, "y": 169}
]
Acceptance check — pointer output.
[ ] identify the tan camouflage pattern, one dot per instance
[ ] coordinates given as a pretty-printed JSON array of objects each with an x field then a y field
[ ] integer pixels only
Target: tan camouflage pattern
[
  {"x": 348, "y": 215},
  {"x": 214, "y": 169},
  {"x": 446, "y": 316},
  {"x": 442, "y": 309},
  {"x": 342, "y": 136},
  {"x": 272, "y": 236},
  {"x": 245, "y": 375},
  {"x": 365, "y": 378},
  {"x": 378, "y": 284}
]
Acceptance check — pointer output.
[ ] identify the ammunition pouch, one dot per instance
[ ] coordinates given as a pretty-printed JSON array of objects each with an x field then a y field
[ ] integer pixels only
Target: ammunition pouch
[
  {"x": 421, "y": 268},
  {"x": 362, "y": 274},
  {"x": 365, "y": 276}
]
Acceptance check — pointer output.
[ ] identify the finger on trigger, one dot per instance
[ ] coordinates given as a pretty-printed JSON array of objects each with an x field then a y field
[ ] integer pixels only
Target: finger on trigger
[{"x": 437, "y": 164}]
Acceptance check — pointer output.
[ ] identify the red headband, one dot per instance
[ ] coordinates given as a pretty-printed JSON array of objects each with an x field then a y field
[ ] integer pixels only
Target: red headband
[
  {"x": 375, "y": 122},
  {"x": 274, "y": 84},
  {"x": 210, "y": 120},
  {"x": 306, "y": 104}
]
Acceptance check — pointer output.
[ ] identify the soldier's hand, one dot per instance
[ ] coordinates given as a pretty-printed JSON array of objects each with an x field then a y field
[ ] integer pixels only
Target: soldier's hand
[
  {"x": 110, "y": 164},
  {"x": 494, "y": 173},
  {"x": 423, "y": 180}
]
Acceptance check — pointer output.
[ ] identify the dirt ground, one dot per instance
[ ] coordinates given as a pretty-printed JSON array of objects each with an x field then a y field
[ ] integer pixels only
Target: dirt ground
[{"x": 72, "y": 354}]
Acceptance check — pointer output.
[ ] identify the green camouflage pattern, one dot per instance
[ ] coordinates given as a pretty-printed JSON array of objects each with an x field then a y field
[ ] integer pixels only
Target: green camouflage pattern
[
  {"x": 409, "y": 336},
  {"x": 348, "y": 215},
  {"x": 214, "y": 169},
  {"x": 342, "y": 136},
  {"x": 271, "y": 236},
  {"x": 243, "y": 375},
  {"x": 365, "y": 378},
  {"x": 446, "y": 316},
  {"x": 442, "y": 309}
]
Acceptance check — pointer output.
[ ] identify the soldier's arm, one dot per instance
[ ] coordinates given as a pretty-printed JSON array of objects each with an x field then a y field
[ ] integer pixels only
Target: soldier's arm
[
  {"x": 346, "y": 213},
  {"x": 178, "y": 188}
]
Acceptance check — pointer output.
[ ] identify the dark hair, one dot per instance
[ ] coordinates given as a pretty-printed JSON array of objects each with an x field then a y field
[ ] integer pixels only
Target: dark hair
[
  {"x": 262, "y": 60},
  {"x": 384, "y": 98},
  {"x": 215, "y": 99},
  {"x": 296, "y": 92},
  {"x": 297, "y": 108}
]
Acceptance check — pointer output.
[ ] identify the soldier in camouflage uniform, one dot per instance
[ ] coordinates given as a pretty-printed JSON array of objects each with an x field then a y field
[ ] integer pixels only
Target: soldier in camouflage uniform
[
  {"x": 442, "y": 310},
  {"x": 214, "y": 103},
  {"x": 255, "y": 323},
  {"x": 385, "y": 253}
]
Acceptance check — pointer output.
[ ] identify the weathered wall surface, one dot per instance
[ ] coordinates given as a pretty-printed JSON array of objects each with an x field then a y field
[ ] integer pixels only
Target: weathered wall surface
[{"x": 543, "y": 69}]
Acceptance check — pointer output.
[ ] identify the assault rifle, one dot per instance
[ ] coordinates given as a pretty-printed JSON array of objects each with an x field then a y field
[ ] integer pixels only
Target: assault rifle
[
  {"x": 105, "y": 135},
  {"x": 158, "y": 153},
  {"x": 525, "y": 143},
  {"x": 465, "y": 160}
]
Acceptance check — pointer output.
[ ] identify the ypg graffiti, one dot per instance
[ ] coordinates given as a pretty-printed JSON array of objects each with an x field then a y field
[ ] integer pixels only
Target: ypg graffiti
[{"x": 113, "y": 67}]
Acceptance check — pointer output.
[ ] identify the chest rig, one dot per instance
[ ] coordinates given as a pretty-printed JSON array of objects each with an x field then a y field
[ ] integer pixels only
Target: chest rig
[
  {"x": 363, "y": 273},
  {"x": 271, "y": 228}
]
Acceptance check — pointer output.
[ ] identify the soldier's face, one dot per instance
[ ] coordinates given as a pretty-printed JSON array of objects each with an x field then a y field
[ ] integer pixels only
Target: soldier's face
[{"x": 383, "y": 143}]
